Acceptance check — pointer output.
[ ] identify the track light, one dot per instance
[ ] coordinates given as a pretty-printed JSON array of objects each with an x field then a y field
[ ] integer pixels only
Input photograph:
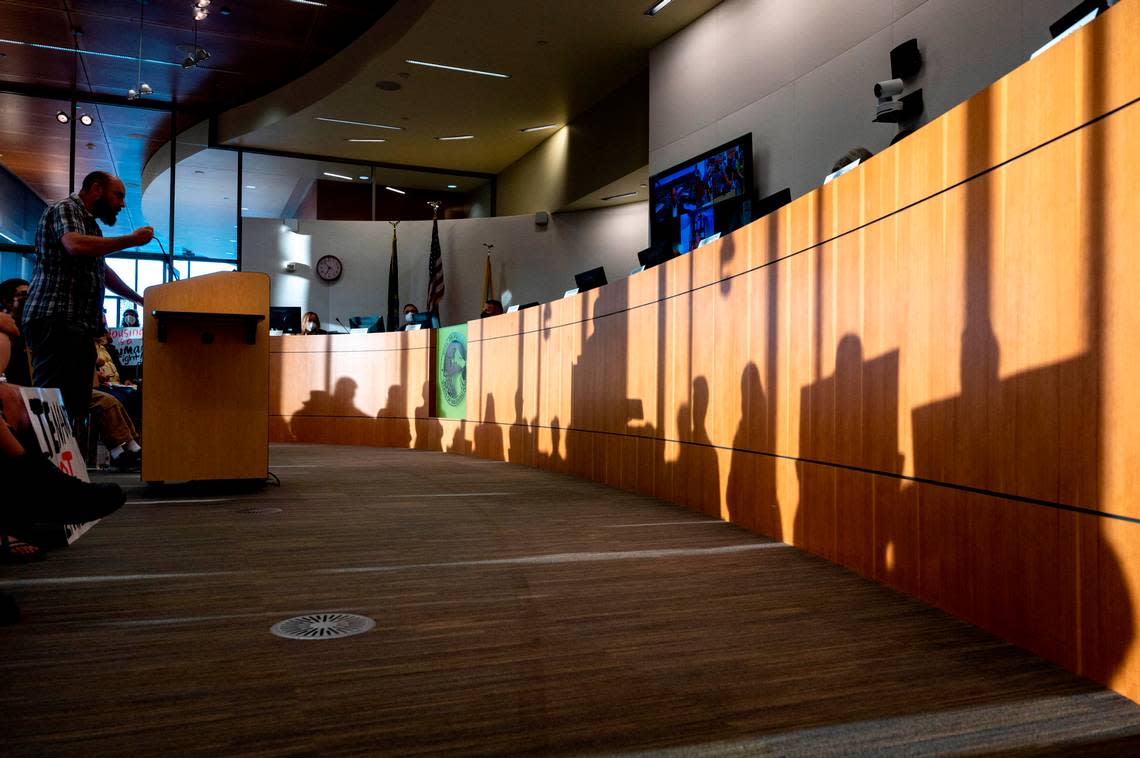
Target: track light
[
  {"x": 196, "y": 56},
  {"x": 62, "y": 117},
  {"x": 86, "y": 120}
]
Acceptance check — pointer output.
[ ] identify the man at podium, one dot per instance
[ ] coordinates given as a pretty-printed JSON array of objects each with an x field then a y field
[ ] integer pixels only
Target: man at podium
[{"x": 64, "y": 309}]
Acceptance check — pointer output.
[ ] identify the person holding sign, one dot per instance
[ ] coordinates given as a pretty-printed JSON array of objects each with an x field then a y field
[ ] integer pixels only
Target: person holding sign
[{"x": 64, "y": 310}]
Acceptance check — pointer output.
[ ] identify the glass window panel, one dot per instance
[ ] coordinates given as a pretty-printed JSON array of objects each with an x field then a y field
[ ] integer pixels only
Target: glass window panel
[
  {"x": 182, "y": 266},
  {"x": 205, "y": 219},
  {"x": 125, "y": 268},
  {"x": 113, "y": 310},
  {"x": 150, "y": 274},
  {"x": 201, "y": 268},
  {"x": 128, "y": 141}
]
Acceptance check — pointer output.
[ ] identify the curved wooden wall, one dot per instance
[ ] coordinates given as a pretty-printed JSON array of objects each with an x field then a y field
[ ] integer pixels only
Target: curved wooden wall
[{"x": 924, "y": 371}]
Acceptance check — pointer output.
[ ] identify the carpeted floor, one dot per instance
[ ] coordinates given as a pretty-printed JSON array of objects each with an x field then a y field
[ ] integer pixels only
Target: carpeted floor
[{"x": 516, "y": 611}]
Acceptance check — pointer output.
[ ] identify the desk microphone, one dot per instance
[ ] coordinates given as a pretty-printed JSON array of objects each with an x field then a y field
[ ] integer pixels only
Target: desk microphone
[{"x": 342, "y": 326}]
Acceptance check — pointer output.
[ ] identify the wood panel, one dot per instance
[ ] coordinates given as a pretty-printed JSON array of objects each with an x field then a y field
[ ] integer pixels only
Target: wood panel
[
  {"x": 923, "y": 371},
  {"x": 205, "y": 409}
]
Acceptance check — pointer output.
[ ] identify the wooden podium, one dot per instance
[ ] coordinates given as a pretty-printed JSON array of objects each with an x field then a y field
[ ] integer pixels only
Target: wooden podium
[{"x": 206, "y": 389}]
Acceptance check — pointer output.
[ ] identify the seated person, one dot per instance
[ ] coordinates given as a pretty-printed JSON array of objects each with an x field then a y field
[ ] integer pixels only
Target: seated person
[
  {"x": 854, "y": 154},
  {"x": 410, "y": 310},
  {"x": 110, "y": 420},
  {"x": 16, "y": 362},
  {"x": 108, "y": 379},
  {"x": 130, "y": 318},
  {"x": 35, "y": 490},
  {"x": 311, "y": 324},
  {"x": 491, "y": 308}
]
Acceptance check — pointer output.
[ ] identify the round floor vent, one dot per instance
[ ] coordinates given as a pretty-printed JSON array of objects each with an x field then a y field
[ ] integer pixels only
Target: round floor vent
[{"x": 322, "y": 626}]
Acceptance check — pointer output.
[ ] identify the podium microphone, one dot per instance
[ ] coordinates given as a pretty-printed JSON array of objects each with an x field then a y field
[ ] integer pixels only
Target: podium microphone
[{"x": 342, "y": 326}]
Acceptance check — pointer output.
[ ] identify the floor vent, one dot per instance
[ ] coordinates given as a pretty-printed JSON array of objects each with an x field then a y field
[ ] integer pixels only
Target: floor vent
[{"x": 322, "y": 626}]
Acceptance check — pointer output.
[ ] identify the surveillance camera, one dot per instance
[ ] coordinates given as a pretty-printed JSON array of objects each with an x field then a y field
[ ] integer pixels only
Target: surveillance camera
[
  {"x": 289, "y": 268},
  {"x": 188, "y": 62},
  {"x": 889, "y": 88}
]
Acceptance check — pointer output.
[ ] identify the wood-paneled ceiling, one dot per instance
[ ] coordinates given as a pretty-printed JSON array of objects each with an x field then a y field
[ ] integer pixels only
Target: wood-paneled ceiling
[{"x": 255, "y": 47}]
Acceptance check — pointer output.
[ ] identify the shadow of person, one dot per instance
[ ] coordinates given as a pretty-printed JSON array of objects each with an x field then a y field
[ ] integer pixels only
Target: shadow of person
[
  {"x": 429, "y": 430},
  {"x": 751, "y": 488},
  {"x": 696, "y": 474},
  {"x": 521, "y": 448},
  {"x": 343, "y": 400},
  {"x": 395, "y": 427},
  {"x": 488, "y": 435}
]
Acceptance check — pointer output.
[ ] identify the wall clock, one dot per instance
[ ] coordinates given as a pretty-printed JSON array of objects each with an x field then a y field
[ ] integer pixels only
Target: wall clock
[{"x": 329, "y": 268}]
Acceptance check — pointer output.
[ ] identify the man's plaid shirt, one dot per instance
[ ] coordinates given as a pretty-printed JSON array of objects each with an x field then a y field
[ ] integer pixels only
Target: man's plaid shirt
[{"x": 64, "y": 286}]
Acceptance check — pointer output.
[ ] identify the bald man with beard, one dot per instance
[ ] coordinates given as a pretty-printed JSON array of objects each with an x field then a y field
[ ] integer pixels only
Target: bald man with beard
[{"x": 64, "y": 310}]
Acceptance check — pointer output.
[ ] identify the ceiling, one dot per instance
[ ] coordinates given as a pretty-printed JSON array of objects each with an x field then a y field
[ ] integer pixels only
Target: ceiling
[
  {"x": 562, "y": 58},
  {"x": 256, "y": 47},
  {"x": 276, "y": 65}
]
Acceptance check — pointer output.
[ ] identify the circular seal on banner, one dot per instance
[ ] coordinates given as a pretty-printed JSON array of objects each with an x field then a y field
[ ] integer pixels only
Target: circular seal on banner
[{"x": 453, "y": 372}]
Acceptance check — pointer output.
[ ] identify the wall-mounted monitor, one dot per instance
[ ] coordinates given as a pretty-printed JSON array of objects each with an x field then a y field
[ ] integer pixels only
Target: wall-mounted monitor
[{"x": 701, "y": 197}]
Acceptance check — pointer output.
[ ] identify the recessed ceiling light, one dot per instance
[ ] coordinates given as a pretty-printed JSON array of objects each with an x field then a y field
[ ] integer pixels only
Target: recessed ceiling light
[
  {"x": 456, "y": 137},
  {"x": 359, "y": 123},
  {"x": 657, "y": 7},
  {"x": 366, "y": 140},
  {"x": 364, "y": 178},
  {"x": 537, "y": 128},
  {"x": 397, "y": 191},
  {"x": 460, "y": 69},
  {"x": 62, "y": 117},
  {"x": 453, "y": 186},
  {"x": 337, "y": 176},
  {"x": 615, "y": 197},
  {"x": 86, "y": 120}
]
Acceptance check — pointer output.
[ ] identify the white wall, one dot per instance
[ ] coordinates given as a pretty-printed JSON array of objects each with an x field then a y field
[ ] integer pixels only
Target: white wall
[
  {"x": 798, "y": 74},
  {"x": 531, "y": 262}
]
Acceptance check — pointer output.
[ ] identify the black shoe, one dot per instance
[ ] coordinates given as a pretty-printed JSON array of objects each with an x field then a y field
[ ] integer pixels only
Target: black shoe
[
  {"x": 42, "y": 494},
  {"x": 128, "y": 460}
]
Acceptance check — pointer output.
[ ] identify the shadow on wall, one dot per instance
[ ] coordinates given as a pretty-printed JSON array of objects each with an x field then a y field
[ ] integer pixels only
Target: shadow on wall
[{"x": 985, "y": 527}]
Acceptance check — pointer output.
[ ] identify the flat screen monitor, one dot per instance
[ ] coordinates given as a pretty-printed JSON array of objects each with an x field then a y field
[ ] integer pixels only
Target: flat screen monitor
[
  {"x": 588, "y": 280},
  {"x": 776, "y": 200},
  {"x": 362, "y": 322},
  {"x": 655, "y": 255},
  {"x": 703, "y": 196},
  {"x": 286, "y": 318},
  {"x": 426, "y": 320}
]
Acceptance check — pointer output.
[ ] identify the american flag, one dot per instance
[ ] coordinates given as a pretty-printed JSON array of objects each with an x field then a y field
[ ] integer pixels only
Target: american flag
[{"x": 435, "y": 270}]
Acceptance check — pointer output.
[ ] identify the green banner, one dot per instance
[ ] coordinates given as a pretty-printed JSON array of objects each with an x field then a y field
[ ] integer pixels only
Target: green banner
[{"x": 451, "y": 372}]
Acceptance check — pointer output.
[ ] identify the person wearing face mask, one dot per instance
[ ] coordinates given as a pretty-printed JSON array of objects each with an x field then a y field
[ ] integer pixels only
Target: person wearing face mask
[
  {"x": 409, "y": 310},
  {"x": 64, "y": 310},
  {"x": 130, "y": 318},
  {"x": 311, "y": 324}
]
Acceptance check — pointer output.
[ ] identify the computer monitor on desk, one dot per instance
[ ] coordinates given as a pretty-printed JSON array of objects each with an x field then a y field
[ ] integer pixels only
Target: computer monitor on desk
[
  {"x": 285, "y": 318},
  {"x": 427, "y": 320}
]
